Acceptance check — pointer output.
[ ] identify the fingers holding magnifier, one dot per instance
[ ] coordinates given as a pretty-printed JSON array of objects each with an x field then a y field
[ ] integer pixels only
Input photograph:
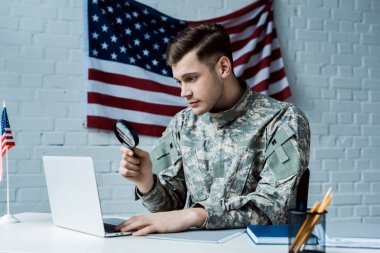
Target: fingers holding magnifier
[
  {"x": 129, "y": 173},
  {"x": 126, "y": 151},
  {"x": 129, "y": 166},
  {"x": 130, "y": 159}
]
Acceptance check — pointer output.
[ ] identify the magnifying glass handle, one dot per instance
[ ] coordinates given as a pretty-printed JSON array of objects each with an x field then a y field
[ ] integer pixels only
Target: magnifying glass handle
[{"x": 135, "y": 154}]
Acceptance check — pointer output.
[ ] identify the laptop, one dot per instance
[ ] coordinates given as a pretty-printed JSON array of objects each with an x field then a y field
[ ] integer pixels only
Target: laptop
[{"x": 74, "y": 198}]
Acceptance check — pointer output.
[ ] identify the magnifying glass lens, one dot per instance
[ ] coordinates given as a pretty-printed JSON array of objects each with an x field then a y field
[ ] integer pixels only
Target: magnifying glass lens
[{"x": 126, "y": 134}]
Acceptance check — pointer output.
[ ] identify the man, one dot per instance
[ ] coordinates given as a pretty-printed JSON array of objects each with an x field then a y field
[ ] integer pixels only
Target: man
[{"x": 233, "y": 158}]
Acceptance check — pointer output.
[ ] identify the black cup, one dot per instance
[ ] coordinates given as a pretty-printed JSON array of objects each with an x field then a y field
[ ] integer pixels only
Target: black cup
[{"x": 316, "y": 239}]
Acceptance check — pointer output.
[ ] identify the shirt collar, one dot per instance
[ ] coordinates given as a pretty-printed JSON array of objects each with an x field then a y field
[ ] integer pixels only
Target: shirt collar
[{"x": 225, "y": 117}]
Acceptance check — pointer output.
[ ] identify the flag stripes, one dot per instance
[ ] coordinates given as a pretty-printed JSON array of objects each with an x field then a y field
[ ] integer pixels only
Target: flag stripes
[{"x": 7, "y": 141}]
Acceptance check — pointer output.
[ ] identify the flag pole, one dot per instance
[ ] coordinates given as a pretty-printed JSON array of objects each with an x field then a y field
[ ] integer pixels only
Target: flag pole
[
  {"x": 8, "y": 218},
  {"x": 6, "y": 160}
]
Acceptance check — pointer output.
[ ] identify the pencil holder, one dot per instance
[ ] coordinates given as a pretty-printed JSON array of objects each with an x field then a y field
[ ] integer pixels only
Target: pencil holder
[{"x": 306, "y": 231}]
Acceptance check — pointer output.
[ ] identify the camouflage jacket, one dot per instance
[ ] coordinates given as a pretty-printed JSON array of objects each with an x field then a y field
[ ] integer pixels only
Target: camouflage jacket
[{"x": 242, "y": 165}]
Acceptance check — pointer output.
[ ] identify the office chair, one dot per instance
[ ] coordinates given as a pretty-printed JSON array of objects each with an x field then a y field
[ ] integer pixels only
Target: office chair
[{"x": 303, "y": 191}]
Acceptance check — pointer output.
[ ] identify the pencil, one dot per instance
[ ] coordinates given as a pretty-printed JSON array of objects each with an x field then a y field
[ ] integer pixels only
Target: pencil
[
  {"x": 310, "y": 228},
  {"x": 306, "y": 234},
  {"x": 304, "y": 226},
  {"x": 308, "y": 225}
]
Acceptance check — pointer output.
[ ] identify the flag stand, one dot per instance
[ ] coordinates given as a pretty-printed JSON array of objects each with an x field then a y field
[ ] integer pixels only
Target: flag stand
[{"x": 7, "y": 218}]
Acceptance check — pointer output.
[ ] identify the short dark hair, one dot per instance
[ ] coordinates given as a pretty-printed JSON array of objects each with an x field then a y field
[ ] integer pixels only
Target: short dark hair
[{"x": 209, "y": 40}]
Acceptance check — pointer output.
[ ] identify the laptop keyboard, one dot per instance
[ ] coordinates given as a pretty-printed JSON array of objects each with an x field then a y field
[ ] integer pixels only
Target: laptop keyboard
[{"x": 109, "y": 228}]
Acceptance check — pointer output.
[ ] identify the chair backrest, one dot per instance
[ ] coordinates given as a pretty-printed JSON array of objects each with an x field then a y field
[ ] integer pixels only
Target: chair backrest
[{"x": 303, "y": 191}]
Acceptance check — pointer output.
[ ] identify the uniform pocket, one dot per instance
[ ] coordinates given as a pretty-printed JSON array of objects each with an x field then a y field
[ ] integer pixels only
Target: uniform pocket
[
  {"x": 238, "y": 172},
  {"x": 164, "y": 154},
  {"x": 195, "y": 168}
]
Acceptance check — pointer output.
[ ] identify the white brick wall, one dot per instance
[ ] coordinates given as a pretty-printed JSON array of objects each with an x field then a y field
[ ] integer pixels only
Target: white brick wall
[{"x": 332, "y": 53}]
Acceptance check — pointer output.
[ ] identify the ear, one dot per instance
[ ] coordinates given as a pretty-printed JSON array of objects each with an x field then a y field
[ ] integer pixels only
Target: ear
[{"x": 225, "y": 67}]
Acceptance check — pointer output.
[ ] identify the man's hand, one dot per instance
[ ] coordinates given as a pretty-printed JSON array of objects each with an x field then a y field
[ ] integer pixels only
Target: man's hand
[
  {"x": 136, "y": 166},
  {"x": 164, "y": 222}
]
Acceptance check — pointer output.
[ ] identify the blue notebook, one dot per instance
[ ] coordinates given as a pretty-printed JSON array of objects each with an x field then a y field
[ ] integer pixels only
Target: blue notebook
[{"x": 272, "y": 234}]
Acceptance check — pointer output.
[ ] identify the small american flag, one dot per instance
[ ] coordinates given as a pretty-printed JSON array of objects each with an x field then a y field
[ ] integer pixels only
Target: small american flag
[
  {"x": 7, "y": 141},
  {"x": 127, "y": 73}
]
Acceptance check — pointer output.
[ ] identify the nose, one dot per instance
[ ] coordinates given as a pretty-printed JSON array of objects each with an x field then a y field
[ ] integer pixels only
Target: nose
[{"x": 185, "y": 92}]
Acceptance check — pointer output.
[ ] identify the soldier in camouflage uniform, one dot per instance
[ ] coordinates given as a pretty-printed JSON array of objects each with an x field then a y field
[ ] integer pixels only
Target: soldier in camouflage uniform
[{"x": 233, "y": 158}]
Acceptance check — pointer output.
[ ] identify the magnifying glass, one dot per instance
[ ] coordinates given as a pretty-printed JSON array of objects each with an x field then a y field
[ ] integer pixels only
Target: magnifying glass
[{"x": 126, "y": 134}]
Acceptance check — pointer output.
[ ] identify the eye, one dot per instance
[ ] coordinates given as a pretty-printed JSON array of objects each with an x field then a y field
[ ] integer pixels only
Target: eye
[
  {"x": 178, "y": 82},
  {"x": 191, "y": 79}
]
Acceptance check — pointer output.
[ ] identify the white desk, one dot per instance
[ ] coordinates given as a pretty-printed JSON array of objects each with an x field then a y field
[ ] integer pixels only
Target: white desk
[{"x": 36, "y": 234}]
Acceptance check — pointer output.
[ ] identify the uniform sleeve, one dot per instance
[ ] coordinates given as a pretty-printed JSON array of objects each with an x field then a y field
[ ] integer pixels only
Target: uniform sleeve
[
  {"x": 286, "y": 157},
  {"x": 169, "y": 190}
]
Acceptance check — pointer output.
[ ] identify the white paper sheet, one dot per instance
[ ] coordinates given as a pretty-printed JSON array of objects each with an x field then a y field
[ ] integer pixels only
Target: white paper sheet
[{"x": 206, "y": 236}]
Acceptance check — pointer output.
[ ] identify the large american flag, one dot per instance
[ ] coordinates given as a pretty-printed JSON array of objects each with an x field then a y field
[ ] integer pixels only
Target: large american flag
[
  {"x": 127, "y": 73},
  {"x": 7, "y": 141}
]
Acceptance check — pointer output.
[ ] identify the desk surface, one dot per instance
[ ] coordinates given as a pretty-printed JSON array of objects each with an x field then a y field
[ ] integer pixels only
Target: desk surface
[{"x": 36, "y": 233}]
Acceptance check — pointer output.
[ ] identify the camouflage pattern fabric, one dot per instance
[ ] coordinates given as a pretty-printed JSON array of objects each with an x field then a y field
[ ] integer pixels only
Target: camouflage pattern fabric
[{"x": 242, "y": 165}]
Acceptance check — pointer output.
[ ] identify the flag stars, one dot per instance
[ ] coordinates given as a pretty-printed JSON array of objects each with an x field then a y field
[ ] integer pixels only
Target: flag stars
[
  {"x": 147, "y": 36},
  {"x": 128, "y": 31},
  {"x": 95, "y": 35},
  {"x": 104, "y": 45},
  {"x": 104, "y": 28},
  {"x": 114, "y": 38},
  {"x": 95, "y": 18},
  {"x": 137, "y": 26},
  {"x": 137, "y": 42},
  {"x": 140, "y": 40},
  {"x": 123, "y": 49},
  {"x": 145, "y": 52}
]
